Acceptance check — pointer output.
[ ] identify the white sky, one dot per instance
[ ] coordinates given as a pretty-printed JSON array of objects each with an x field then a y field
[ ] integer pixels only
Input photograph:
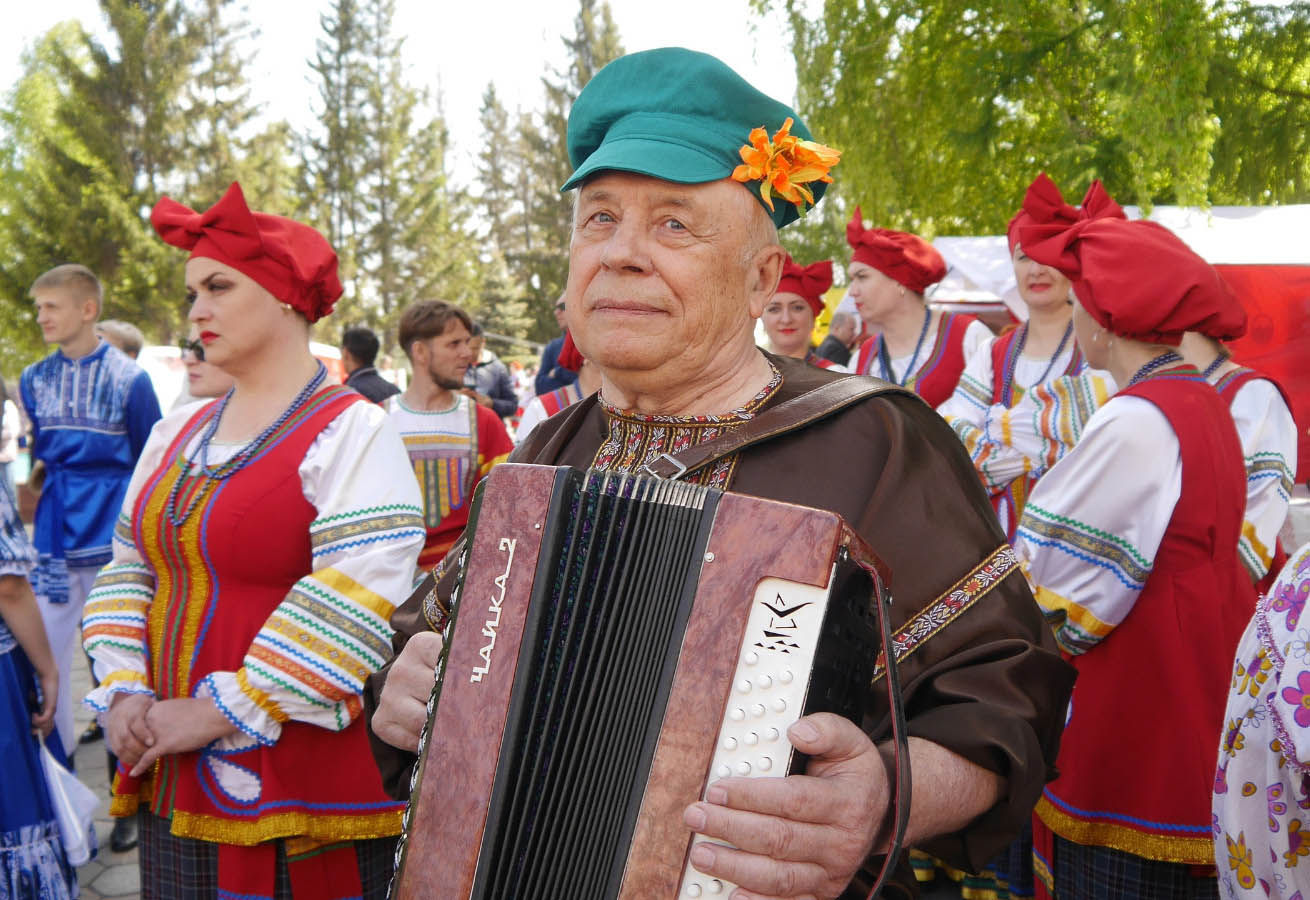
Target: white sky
[{"x": 459, "y": 47}]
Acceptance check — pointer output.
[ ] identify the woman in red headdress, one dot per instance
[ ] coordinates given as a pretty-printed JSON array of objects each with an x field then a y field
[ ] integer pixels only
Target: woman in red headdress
[
  {"x": 1130, "y": 543},
  {"x": 1025, "y": 395},
  {"x": 797, "y": 301},
  {"x": 263, "y": 544},
  {"x": 912, "y": 345}
]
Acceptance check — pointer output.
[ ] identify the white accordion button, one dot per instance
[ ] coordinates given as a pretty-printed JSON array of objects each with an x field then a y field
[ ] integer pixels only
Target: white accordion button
[
  {"x": 723, "y": 771},
  {"x": 757, "y": 709},
  {"x": 765, "y": 683},
  {"x": 693, "y": 890},
  {"x": 751, "y": 658},
  {"x": 765, "y": 764},
  {"x": 785, "y": 676},
  {"x": 737, "y": 714},
  {"x": 752, "y": 739},
  {"x": 716, "y": 886},
  {"x": 730, "y": 743},
  {"x": 780, "y": 705},
  {"x": 743, "y": 686},
  {"x": 772, "y": 734}
]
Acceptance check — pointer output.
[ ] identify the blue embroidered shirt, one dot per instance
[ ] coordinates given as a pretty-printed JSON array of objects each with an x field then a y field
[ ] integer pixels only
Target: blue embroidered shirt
[{"x": 90, "y": 418}]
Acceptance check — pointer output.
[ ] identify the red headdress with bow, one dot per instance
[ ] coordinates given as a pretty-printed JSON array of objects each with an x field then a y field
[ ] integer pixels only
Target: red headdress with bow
[
  {"x": 809, "y": 282},
  {"x": 1138, "y": 279},
  {"x": 902, "y": 257},
  {"x": 293, "y": 262},
  {"x": 1043, "y": 204}
]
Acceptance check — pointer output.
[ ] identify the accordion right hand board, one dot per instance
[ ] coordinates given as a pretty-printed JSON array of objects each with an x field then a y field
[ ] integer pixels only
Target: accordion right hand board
[{"x": 616, "y": 644}]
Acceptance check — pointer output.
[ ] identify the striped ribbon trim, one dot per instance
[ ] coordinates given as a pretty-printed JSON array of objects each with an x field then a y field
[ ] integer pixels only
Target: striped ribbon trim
[{"x": 948, "y": 607}]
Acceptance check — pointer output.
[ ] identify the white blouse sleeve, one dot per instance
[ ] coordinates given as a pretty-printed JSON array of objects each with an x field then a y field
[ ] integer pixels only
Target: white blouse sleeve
[
  {"x": 1268, "y": 433},
  {"x": 309, "y": 660},
  {"x": 967, "y": 411},
  {"x": 1050, "y": 418},
  {"x": 114, "y": 618},
  {"x": 534, "y": 412},
  {"x": 973, "y": 393},
  {"x": 975, "y": 336},
  {"x": 1091, "y": 529}
]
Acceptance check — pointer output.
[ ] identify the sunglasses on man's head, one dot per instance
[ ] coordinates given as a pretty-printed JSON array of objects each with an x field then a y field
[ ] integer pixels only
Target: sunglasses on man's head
[{"x": 195, "y": 348}]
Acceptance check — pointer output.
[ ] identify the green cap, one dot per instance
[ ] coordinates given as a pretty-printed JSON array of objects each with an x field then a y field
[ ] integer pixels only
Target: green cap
[{"x": 677, "y": 115}]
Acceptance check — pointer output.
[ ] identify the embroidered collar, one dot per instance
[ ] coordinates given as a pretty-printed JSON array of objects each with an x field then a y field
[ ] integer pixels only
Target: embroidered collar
[{"x": 735, "y": 417}]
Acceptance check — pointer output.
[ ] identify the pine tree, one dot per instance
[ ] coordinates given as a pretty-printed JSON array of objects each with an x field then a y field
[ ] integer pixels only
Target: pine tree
[
  {"x": 392, "y": 216},
  {"x": 332, "y": 158},
  {"x": 496, "y": 171},
  {"x": 547, "y": 212},
  {"x": 94, "y": 134},
  {"x": 218, "y": 105}
]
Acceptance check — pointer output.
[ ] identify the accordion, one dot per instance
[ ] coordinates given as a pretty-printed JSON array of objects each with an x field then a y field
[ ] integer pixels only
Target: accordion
[{"x": 615, "y": 643}]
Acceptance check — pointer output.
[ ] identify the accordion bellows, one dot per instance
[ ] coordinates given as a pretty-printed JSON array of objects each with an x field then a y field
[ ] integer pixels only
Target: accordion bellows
[{"x": 615, "y": 644}]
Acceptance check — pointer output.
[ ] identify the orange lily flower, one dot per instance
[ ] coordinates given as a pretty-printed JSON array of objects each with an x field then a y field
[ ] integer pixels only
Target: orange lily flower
[{"x": 785, "y": 165}]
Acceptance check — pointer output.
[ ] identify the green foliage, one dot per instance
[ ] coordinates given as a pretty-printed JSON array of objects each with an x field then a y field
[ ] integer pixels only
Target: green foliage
[
  {"x": 522, "y": 165},
  {"x": 90, "y": 137},
  {"x": 376, "y": 168},
  {"x": 946, "y": 110},
  {"x": 1260, "y": 83}
]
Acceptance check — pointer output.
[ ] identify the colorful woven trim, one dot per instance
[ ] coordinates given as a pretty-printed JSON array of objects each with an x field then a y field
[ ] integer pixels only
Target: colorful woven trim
[
  {"x": 1194, "y": 851},
  {"x": 948, "y": 607}
]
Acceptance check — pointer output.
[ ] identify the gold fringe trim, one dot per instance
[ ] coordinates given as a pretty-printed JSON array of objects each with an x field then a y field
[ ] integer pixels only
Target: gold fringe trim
[
  {"x": 326, "y": 829},
  {"x": 1189, "y": 851},
  {"x": 122, "y": 805}
]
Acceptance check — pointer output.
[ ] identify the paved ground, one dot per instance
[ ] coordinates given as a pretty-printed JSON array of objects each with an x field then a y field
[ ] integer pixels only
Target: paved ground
[{"x": 110, "y": 874}]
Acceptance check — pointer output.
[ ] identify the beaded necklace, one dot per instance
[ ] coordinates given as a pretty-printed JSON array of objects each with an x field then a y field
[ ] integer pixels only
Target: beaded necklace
[
  {"x": 884, "y": 360},
  {"x": 1214, "y": 366},
  {"x": 212, "y": 475},
  {"x": 1164, "y": 359},
  {"x": 1013, "y": 359}
]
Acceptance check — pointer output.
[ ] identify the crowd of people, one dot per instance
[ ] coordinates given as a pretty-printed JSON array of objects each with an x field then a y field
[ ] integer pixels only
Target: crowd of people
[{"x": 1086, "y": 505}]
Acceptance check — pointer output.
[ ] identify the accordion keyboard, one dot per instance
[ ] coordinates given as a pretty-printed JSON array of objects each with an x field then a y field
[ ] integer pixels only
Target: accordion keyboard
[{"x": 768, "y": 694}]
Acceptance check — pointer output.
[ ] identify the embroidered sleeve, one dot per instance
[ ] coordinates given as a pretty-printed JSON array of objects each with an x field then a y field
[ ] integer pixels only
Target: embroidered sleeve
[
  {"x": 114, "y": 618},
  {"x": 1089, "y": 533},
  {"x": 968, "y": 411},
  {"x": 1268, "y": 435},
  {"x": 1049, "y": 419},
  {"x": 309, "y": 660}
]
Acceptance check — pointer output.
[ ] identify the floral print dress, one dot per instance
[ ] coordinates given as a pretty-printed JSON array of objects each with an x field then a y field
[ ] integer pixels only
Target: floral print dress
[{"x": 1262, "y": 787}]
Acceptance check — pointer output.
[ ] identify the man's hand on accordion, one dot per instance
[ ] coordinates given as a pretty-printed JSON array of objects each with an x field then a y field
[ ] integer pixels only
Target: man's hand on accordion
[
  {"x": 403, "y": 707},
  {"x": 800, "y": 837}
]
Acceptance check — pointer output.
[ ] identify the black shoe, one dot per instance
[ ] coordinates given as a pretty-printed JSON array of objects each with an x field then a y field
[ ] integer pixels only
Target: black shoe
[
  {"x": 123, "y": 837},
  {"x": 92, "y": 734}
]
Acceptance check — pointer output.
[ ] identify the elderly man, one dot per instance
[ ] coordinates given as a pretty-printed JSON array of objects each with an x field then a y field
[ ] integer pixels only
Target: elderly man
[
  {"x": 842, "y": 332},
  {"x": 671, "y": 262}
]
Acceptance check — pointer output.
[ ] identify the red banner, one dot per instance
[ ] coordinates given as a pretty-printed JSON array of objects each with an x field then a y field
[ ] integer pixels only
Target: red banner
[{"x": 1277, "y": 341}]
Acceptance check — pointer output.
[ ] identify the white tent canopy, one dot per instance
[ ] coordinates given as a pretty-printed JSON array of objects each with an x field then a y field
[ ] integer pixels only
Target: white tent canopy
[{"x": 980, "y": 268}]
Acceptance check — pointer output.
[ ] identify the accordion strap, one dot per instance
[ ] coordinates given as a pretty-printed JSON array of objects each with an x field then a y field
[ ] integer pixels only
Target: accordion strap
[{"x": 788, "y": 416}]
